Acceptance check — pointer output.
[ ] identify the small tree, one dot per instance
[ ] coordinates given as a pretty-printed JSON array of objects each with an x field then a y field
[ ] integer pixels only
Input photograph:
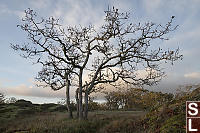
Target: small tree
[
  {"x": 11, "y": 100},
  {"x": 118, "y": 51},
  {"x": 2, "y": 98}
]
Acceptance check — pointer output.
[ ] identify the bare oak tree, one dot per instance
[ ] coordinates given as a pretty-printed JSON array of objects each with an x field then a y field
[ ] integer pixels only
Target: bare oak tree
[{"x": 118, "y": 51}]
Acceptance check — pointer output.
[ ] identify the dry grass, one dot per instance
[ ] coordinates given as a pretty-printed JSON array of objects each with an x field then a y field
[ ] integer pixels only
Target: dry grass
[{"x": 58, "y": 122}]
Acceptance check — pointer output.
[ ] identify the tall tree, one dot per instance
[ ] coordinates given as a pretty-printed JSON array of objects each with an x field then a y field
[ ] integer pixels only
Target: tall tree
[{"x": 118, "y": 51}]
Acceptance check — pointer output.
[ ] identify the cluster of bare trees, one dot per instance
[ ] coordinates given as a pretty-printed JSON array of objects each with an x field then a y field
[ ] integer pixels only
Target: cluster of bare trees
[{"x": 115, "y": 52}]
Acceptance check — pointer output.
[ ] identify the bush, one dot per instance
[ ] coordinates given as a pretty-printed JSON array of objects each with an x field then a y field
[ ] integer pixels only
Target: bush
[{"x": 23, "y": 103}]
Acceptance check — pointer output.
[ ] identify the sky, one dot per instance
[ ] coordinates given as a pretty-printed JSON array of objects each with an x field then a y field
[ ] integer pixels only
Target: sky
[{"x": 17, "y": 74}]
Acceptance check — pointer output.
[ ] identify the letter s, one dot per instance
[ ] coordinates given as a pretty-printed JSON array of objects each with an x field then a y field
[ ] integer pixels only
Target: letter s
[{"x": 193, "y": 108}]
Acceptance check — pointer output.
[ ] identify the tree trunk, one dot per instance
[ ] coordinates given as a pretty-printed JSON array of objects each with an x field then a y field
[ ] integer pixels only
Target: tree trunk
[
  {"x": 80, "y": 95},
  {"x": 80, "y": 105},
  {"x": 77, "y": 103},
  {"x": 86, "y": 105},
  {"x": 68, "y": 98}
]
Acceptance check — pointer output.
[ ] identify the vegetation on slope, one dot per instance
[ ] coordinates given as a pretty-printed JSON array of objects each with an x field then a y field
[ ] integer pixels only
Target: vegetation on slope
[{"x": 170, "y": 117}]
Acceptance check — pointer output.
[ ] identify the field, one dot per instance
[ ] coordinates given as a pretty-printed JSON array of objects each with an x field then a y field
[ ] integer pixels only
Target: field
[
  {"x": 25, "y": 117},
  {"x": 57, "y": 122}
]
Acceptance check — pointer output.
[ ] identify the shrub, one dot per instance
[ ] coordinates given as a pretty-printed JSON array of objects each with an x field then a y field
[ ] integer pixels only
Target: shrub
[{"x": 23, "y": 103}]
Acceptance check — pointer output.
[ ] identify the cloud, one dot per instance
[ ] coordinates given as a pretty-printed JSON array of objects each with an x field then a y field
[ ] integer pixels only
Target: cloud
[
  {"x": 30, "y": 89},
  {"x": 152, "y": 5},
  {"x": 193, "y": 75},
  {"x": 5, "y": 10},
  {"x": 72, "y": 13},
  {"x": 39, "y": 3},
  {"x": 25, "y": 90}
]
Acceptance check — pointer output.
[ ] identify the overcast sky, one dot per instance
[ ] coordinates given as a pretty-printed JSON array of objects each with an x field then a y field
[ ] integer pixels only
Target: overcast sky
[{"x": 17, "y": 74}]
